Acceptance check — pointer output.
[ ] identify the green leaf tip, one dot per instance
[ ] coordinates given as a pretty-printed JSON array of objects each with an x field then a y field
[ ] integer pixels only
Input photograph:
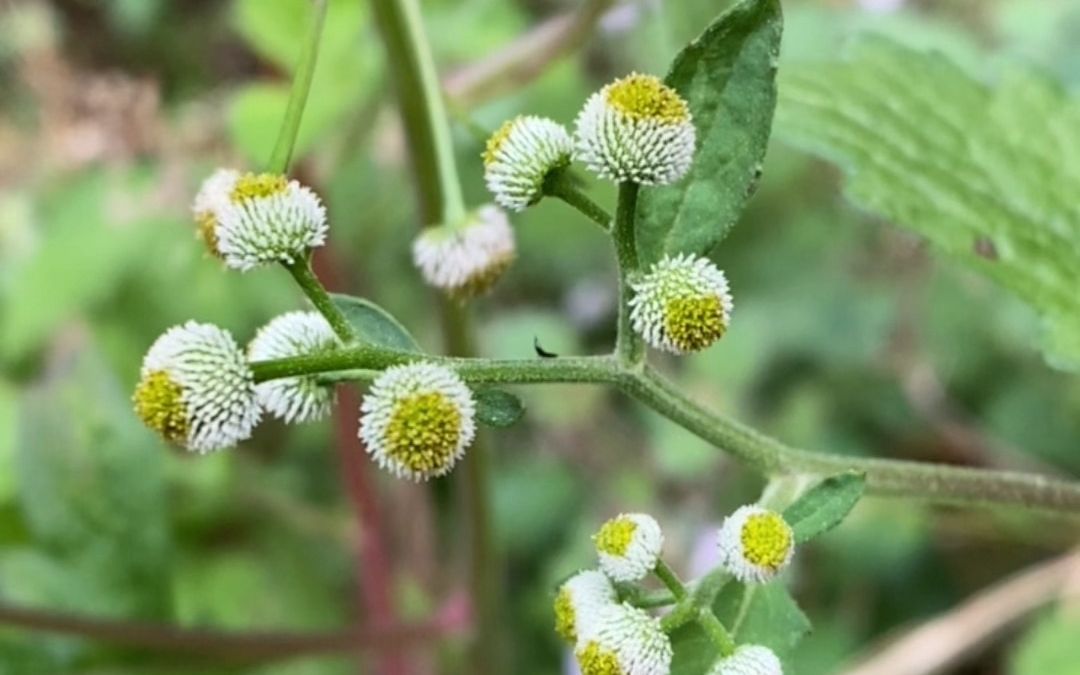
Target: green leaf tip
[
  {"x": 497, "y": 408},
  {"x": 825, "y": 505},
  {"x": 374, "y": 325},
  {"x": 728, "y": 76}
]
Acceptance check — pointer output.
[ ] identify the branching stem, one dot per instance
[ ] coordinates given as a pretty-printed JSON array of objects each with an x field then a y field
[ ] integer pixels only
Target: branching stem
[
  {"x": 930, "y": 482},
  {"x": 560, "y": 184},
  {"x": 316, "y": 293}
]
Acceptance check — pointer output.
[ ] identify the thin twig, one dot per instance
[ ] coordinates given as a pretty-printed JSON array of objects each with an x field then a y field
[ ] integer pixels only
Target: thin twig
[
  {"x": 961, "y": 632},
  {"x": 526, "y": 58},
  {"x": 256, "y": 646}
]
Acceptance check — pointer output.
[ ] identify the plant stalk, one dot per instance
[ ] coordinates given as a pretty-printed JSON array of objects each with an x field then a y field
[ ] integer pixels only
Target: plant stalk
[
  {"x": 628, "y": 345},
  {"x": 316, "y": 293},
  {"x": 301, "y": 85},
  {"x": 560, "y": 184}
]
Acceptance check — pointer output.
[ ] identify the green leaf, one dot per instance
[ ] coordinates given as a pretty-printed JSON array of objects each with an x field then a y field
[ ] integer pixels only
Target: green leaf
[
  {"x": 728, "y": 77},
  {"x": 374, "y": 325},
  {"x": 824, "y": 505},
  {"x": 497, "y": 408},
  {"x": 765, "y": 615},
  {"x": 989, "y": 175}
]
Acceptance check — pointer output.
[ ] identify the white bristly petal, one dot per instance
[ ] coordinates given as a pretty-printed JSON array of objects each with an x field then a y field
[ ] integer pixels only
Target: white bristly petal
[
  {"x": 630, "y": 636},
  {"x": 642, "y": 551},
  {"x": 466, "y": 259},
  {"x": 390, "y": 396},
  {"x": 739, "y": 560},
  {"x": 520, "y": 155},
  {"x": 294, "y": 399},
  {"x": 586, "y": 594},
  {"x": 217, "y": 384},
  {"x": 749, "y": 660},
  {"x": 280, "y": 227},
  {"x": 683, "y": 276}
]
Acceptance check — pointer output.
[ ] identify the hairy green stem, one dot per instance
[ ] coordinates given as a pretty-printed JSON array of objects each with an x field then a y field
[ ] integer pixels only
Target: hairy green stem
[
  {"x": 316, "y": 293},
  {"x": 294, "y": 111},
  {"x": 667, "y": 575},
  {"x": 560, "y": 184},
  {"x": 628, "y": 345},
  {"x": 930, "y": 482},
  {"x": 716, "y": 631},
  {"x": 427, "y": 130}
]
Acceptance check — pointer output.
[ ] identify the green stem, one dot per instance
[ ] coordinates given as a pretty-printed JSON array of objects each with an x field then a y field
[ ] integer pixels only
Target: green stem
[
  {"x": 421, "y": 102},
  {"x": 560, "y": 184},
  {"x": 671, "y": 580},
  {"x": 716, "y": 631},
  {"x": 294, "y": 111},
  {"x": 652, "y": 600},
  {"x": 628, "y": 346},
  {"x": 930, "y": 482},
  {"x": 313, "y": 289}
]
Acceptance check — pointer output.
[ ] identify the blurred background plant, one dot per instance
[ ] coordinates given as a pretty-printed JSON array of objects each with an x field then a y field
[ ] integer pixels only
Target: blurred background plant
[{"x": 850, "y": 335}]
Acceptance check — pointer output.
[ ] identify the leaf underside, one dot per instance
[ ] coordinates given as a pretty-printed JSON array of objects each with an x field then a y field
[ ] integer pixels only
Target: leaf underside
[{"x": 989, "y": 175}]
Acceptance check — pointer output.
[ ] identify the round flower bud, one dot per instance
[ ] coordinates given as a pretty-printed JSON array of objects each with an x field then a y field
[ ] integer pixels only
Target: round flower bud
[
  {"x": 636, "y": 129},
  {"x": 623, "y": 640},
  {"x": 417, "y": 420},
  {"x": 629, "y": 546},
  {"x": 755, "y": 544},
  {"x": 520, "y": 155},
  {"x": 749, "y": 660},
  {"x": 268, "y": 218},
  {"x": 466, "y": 259},
  {"x": 294, "y": 399},
  {"x": 213, "y": 194},
  {"x": 682, "y": 304},
  {"x": 196, "y": 389},
  {"x": 579, "y": 602}
]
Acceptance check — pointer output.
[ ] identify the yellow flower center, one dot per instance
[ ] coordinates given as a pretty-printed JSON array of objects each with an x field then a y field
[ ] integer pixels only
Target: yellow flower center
[
  {"x": 595, "y": 660},
  {"x": 693, "y": 323},
  {"x": 498, "y": 139},
  {"x": 565, "y": 621},
  {"x": 159, "y": 404},
  {"x": 615, "y": 536},
  {"x": 255, "y": 186},
  {"x": 766, "y": 540},
  {"x": 646, "y": 97},
  {"x": 207, "y": 231},
  {"x": 423, "y": 432}
]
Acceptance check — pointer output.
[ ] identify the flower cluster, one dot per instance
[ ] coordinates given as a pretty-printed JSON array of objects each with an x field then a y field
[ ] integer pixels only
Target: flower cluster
[
  {"x": 595, "y": 611},
  {"x": 682, "y": 304},
  {"x": 466, "y": 259}
]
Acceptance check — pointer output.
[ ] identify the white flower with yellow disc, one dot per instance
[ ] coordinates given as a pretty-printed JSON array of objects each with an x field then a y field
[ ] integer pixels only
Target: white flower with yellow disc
[
  {"x": 682, "y": 304},
  {"x": 623, "y": 640},
  {"x": 756, "y": 544},
  {"x": 466, "y": 259},
  {"x": 520, "y": 155},
  {"x": 579, "y": 601},
  {"x": 629, "y": 546},
  {"x": 302, "y": 398}
]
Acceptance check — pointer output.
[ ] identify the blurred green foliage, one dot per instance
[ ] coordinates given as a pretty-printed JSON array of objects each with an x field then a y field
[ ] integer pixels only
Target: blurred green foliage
[{"x": 841, "y": 321}]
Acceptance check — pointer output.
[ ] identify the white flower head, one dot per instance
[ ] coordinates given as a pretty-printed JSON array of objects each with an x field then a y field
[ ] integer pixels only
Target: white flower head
[
  {"x": 268, "y": 218},
  {"x": 629, "y": 546},
  {"x": 520, "y": 155},
  {"x": 682, "y": 304},
  {"x": 636, "y": 129},
  {"x": 466, "y": 259},
  {"x": 417, "y": 420},
  {"x": 213, "y": 195},
  {"x": 755, "y": 544},
  {"x": 294, "y": 399},
  {"x": 749, "y": 660},
  {"x": 624, "y": 640},
  {"x": 196, "y": 389},
  {"x": 579, "y": 601}
]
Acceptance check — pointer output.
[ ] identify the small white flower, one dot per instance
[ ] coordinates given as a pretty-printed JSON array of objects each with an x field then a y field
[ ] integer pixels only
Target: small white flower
[
  {"x": 624, "y": 640},
  {"x": 268, "y": 218},
  {"x": 466, "y": 259},
  {"x": 520, "y": 155},
  {"x": 636, "y": 129},
  {"x": 212, "y": 196},
  {"x": 756, "y": 544},
  {"x": 579, "y": 602},
  {"x": 417, "y": 420},
  {"x": 629, "y": 546},
  {"x": 196, "y": 389},
  {"x": 749, "y": 660},
  {"x": 682, "y": 304},
  {"x": 294, "y": 399}
]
